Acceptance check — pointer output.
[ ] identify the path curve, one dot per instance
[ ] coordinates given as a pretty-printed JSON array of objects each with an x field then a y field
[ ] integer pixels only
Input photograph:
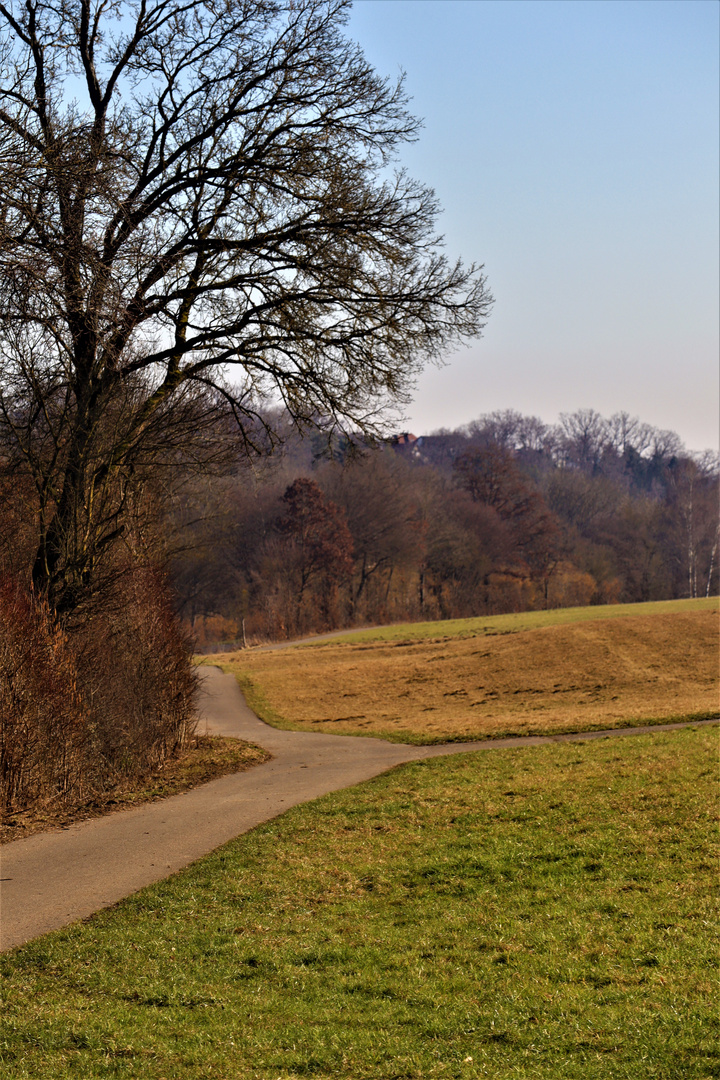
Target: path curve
[{"x": 54, "y": 878}]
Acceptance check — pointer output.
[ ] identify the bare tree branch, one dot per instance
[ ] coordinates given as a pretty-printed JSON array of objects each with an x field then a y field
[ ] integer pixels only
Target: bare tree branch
[{"x": 192, "y": 190}]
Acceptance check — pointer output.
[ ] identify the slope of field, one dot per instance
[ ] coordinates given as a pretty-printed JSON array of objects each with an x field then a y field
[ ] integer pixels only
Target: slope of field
[
  {"x": 574, "y": 676},
  {"x": 512, "y": 622}
]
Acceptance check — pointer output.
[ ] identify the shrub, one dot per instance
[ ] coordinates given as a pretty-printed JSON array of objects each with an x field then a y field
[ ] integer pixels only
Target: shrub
[
  {"x": 43, "y": 729},
  {"x": 135, "y": 675},
  {"x": 98, "y": 705}
]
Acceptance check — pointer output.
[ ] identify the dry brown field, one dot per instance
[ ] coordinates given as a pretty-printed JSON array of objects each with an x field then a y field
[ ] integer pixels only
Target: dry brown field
[{"x": 576, "y": 677}]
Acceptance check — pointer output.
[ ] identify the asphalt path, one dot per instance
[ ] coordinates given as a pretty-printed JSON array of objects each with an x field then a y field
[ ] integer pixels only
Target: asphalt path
[{"x": 54, "y": 878}]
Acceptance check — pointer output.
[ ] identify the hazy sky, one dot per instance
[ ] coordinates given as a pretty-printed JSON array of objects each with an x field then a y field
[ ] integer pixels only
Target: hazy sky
[{"x": 574, "y": 147}]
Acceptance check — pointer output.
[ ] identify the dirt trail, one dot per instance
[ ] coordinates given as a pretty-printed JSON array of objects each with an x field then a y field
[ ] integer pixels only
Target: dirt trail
[{"x": 55, "y": 878}]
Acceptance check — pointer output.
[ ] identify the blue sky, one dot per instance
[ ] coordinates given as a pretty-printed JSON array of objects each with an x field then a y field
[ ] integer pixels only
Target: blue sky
[{"x": 574, "y": 147}]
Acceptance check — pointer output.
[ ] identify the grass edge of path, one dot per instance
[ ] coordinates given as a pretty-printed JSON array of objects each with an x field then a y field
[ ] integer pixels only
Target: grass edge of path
[{"x": 208, "y": 758}]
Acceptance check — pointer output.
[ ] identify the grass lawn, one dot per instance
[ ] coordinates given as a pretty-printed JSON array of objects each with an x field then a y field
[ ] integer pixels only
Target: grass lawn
[
  {"x": 539, "y": 912},
  {"x": 534, "y": 673}
]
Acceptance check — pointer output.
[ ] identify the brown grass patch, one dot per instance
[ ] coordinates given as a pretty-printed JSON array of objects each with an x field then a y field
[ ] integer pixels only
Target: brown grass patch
[
  {"x": 207, "y": 758},
  {"x": 577, "y": 677}
]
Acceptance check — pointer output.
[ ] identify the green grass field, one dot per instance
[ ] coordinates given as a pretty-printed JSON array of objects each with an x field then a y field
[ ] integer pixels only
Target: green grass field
[
  {"x": 542, "y": 912},
  {"x": 446, "y": 629}
]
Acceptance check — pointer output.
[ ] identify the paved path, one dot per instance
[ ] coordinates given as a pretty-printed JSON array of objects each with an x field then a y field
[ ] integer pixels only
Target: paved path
[{"x": 54, "y": 878}]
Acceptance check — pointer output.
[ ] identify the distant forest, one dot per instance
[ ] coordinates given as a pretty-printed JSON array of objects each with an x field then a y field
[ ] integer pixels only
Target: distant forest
[{"x": 505, "y": 514}]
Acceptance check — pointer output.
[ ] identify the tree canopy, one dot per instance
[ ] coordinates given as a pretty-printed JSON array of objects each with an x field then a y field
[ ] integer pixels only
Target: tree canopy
[{"x": 198, "y": 207}]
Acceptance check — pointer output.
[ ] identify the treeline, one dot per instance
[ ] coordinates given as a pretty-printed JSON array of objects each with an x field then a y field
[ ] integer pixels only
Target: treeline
[{"x": 506, "y": 514}]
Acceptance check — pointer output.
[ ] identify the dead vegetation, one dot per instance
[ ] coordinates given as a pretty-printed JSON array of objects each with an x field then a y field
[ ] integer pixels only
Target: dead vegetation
[
  {"x": 206, "y": 758},
  {"x": 90, "y": 705},
  {"x": 577, "y": 677}
]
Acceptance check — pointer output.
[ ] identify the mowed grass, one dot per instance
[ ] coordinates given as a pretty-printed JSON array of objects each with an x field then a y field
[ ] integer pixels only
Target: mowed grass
[
  {"x": 554, "y": 676},
  {"x": 541, "y": 912}
]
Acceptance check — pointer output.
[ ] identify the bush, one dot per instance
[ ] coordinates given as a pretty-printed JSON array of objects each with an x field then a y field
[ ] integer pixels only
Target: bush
[
  {"x": 135, "y": 674},
  {"x": 43, "y": 726},
  {"x": 97, "y": 706}
]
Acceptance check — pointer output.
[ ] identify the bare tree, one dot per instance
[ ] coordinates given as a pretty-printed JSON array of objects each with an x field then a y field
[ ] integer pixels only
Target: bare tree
[
  {"x": 376, "y": 493},
  {"x": 198, "y": 197},
  {"x": 625, "y": 433},
  {"x": 584, "y": 436},
  {"x": 320, "y": 542}
]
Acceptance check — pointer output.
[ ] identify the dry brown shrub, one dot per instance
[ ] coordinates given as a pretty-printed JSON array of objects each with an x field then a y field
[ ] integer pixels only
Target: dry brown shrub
[
  {"x": 210, "y": 629},
  {"x": 43, "y": 731},
  {"x": 570, "y": 587},
  {"x": 507, "y": 592},
  {"x": 100, "y": 704},
  {"x": 136, "y": 678}
]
